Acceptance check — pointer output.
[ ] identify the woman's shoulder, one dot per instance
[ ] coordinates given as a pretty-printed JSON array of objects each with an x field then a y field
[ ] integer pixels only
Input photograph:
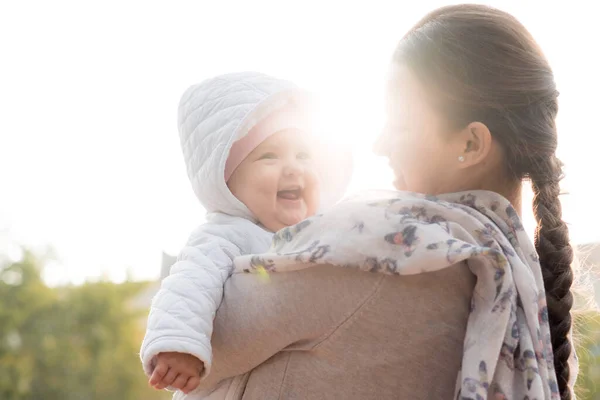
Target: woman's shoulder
[{"x": 339, "y": 291}]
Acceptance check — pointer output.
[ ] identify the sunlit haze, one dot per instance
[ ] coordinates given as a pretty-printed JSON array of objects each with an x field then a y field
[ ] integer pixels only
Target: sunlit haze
[{"x": 90, "y": 162}]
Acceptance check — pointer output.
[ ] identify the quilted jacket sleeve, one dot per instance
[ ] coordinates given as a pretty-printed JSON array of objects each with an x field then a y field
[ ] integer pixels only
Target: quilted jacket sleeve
[{"x": 182, "y": 312}]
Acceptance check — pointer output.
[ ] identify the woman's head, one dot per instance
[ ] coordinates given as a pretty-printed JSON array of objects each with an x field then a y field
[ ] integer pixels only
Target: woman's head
[
  {"x": 472, "y": 105},
  {"x": 427, "y": 154},
  {"x": 469, "y": 81}
]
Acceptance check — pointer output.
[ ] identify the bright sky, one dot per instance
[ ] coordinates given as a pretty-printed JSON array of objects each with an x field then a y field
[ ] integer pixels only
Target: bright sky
[{"x": 89, "y": 152}]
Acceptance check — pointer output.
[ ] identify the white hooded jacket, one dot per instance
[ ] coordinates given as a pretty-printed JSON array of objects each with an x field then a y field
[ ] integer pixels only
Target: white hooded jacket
[{"x": 212, "y": 116}]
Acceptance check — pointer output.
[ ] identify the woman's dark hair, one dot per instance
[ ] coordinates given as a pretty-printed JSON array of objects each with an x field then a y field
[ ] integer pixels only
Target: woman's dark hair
[{"x": 480, "y": 64}]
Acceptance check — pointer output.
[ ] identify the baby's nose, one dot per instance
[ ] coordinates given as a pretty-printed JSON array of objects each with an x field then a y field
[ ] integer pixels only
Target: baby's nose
[{"x": 293, "y": 167}]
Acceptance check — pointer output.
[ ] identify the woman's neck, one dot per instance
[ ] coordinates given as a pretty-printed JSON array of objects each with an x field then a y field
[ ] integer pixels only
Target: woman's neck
[
  {"x": 511, "y": 189},
  {"x": 514, "y": 194}
]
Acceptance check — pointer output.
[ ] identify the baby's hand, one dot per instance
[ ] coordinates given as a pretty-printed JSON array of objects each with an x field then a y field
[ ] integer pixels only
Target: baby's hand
[{"x": 179, "y": 370}]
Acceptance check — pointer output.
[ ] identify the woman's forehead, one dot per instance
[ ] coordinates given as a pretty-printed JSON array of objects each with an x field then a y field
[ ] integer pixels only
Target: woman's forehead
[
  {"x": 402, "y": 82},
  {"x": 404, "y": 94}
]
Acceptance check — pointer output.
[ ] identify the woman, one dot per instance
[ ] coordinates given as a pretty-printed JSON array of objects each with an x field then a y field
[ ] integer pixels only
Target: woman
[{"x": 472, "y": 104}]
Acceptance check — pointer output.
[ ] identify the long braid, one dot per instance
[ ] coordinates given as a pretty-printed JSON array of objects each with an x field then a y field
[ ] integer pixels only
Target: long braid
[{"x": 556, "y": 255}]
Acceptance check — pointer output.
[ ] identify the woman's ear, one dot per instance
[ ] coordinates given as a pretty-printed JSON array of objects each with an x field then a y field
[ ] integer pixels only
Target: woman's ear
[{"x": 476, "y": 141}]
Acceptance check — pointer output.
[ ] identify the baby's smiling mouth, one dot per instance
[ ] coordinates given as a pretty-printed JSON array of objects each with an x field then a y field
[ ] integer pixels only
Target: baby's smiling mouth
[{"x": 292, "y": 193}]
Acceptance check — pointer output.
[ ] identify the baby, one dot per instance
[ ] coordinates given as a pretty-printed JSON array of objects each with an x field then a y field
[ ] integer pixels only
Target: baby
[{"x": 256, "y": 169}]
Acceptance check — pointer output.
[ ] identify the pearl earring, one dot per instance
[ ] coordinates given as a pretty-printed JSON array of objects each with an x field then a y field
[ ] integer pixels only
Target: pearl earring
[{"x": 461, "y": 158}]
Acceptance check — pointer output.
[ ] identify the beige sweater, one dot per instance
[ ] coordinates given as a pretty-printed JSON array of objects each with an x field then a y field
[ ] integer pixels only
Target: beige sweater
[{"x": 334, "y": 333}]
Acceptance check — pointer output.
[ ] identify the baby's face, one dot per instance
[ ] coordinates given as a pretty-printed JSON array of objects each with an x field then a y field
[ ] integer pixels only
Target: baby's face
[{"x": 278, "y": 181}]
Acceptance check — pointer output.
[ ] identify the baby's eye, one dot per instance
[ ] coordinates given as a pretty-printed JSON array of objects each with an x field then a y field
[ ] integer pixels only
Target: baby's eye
[
  {"x": 268, "y": 156},
  {"x": 303, "y": 156}
]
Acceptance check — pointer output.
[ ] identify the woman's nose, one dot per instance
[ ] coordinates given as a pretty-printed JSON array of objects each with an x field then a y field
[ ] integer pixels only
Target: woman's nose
[{"x": 380, "y": 147}]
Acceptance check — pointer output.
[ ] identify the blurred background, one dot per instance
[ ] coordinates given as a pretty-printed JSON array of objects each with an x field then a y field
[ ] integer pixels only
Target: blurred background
[{"x": 95, "y": 202}]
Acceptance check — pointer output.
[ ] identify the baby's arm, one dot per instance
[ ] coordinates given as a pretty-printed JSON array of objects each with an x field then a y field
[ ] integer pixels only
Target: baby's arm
[{"x": 180, "y": 322}]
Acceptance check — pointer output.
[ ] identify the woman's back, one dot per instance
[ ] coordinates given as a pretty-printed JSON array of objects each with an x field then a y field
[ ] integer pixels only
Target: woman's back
[{"x": 352, "y": 319}]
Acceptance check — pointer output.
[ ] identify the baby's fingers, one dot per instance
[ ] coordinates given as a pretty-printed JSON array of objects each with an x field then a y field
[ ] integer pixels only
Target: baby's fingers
[
  {"x": 191, "y": 385},
  {"x": 158, "y": 374},
  {"x": 168, "y": 379},
  {"x": 180, "y": 381}
]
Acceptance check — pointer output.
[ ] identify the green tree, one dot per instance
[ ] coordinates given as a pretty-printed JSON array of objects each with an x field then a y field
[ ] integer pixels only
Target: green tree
[{"x": 69, "y": 343}]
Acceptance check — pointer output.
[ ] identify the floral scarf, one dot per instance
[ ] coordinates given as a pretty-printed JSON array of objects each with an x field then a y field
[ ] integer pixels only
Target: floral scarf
[{"x": 507, "y": 349}]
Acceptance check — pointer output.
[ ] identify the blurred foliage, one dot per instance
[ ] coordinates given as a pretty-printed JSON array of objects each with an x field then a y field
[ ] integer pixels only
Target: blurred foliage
[
  {"x": 82, "y": 342},
  {"x": 72, "y": 342},
  {"x": 588, "y": 350}
]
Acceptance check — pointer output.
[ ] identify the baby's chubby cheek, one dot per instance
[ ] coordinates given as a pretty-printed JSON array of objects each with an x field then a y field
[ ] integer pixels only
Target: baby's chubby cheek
[
  {"x": 312, "y": 197},
  {"x": 295, "y": 216}
]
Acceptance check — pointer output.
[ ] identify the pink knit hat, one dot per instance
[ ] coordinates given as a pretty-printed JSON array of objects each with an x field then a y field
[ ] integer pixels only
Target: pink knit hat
[{"x": 289, "y": 117}]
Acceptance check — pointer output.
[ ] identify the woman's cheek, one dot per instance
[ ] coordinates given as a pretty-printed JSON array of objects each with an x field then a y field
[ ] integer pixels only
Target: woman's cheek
[{"x": 402, "y": 147}]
